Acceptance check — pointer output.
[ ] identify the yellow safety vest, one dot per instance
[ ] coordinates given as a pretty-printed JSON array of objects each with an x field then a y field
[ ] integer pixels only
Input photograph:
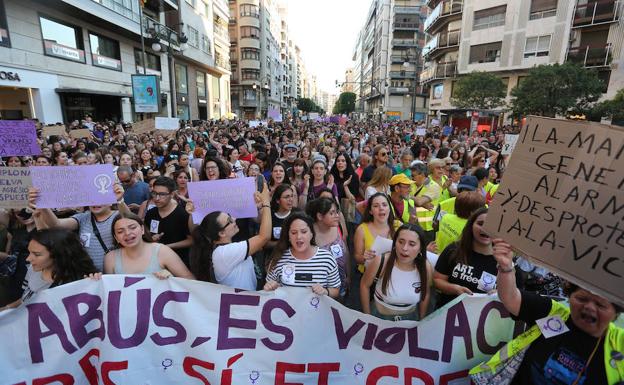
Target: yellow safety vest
[
  {"x": 425, "y": 217},
  {"x": 449, "y": 230},
  {"x": 405, "y": 217},
  {"x": 445, "y": 193},
  {"x": 445, "y": 207},
  {"x": 485, "y": 372}
]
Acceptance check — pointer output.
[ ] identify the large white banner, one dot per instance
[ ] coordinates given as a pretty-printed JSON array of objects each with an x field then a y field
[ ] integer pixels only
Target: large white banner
[{"x": 139, "y": 331}]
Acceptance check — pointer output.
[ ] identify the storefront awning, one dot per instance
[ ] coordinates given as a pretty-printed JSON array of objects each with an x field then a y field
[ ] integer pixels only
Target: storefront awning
[{"x": 95, "y": 92}]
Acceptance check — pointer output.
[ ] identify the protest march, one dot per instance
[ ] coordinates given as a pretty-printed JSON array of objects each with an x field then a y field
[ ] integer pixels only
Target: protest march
[{"x": 323, "y": 250}]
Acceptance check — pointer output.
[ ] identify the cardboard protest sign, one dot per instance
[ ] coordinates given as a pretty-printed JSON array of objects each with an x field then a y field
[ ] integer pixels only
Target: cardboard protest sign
[
  {"x": 233, "y": 196},
  {"x": 57, "y": 130},
  {"x": 74, "y": 186},
  {"x": 162, "y": 123},
  {"x": 141, "y": 330},
  {"x": 80, "y": 133},
  {"x": 421, "y": 131},
  {"x": 143, "y": 126},
  {"x": 561, "y": 202},
  {"x": 510, "y": 144},
  {"x": 18, "y": 138},
  {"x": 254, "y": 123},
  {"x": 14, "y": 184}
]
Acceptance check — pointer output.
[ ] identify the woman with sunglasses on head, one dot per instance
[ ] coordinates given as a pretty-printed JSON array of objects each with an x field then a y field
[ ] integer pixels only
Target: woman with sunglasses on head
[
  {"x": 297, "y": 261},
  {"x": 214, "y": 255},
  {"x": 401, "y": 280}
]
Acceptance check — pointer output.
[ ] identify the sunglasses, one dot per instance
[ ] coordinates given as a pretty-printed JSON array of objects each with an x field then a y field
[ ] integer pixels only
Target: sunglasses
[{"x": 230, "y": 221}]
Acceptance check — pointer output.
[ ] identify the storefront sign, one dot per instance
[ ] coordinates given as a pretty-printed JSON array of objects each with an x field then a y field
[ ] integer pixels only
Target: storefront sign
[
  {"x": 145, "y": 93},
  {"x": 13, "y": 76},
  {"x": 136, "y": 329},
  {"x": 107, "y": 62},
  {"x": 59, "y": 50},
  {"x": 393, "y": 115}
]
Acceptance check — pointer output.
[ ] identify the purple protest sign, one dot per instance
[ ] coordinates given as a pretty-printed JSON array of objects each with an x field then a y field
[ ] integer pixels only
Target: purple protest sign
[
  {"x": 18, "y": 138},
  {"x": 74, "y": 186},
  {"x": 233, "y": 196}
]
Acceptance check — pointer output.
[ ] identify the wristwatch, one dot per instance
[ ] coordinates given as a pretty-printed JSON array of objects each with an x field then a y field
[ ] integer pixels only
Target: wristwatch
[{"x": 506, "y": 270}]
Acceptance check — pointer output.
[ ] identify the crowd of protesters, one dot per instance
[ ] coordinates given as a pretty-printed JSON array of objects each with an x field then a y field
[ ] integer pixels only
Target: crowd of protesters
[{"x": 328, "y": 196}]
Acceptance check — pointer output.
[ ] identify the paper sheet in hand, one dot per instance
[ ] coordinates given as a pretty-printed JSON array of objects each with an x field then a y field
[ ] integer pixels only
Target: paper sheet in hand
[{"x": 381, "y": 245}]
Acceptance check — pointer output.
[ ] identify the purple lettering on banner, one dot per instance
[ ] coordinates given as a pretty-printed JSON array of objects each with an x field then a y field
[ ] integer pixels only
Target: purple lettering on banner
[
  {"x": 18, "y": 138},
  {"x": 74, "y": 186},
  {"x": 460, "y": 329},
  {"x": 343, "y": 337},
  {"x": 369, "y": 338},
  {"x": 417, "y": 351},
  {"x": 226, "y": 322},
  {"x": 40, "y": 313},
  {"x": 267, "y": 322},
  {"x": 142, "y": 319},
  {"x": 161, "y": 320},
  {"x": 233, "y": 196},
  {"x": 78, "y": 322},
  {"x": 390, "y": 340},
  {"x": 482, "y": 343}
]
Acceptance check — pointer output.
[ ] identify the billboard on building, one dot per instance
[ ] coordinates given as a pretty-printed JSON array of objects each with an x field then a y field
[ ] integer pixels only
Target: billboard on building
[{"x": 145, "y": 93}]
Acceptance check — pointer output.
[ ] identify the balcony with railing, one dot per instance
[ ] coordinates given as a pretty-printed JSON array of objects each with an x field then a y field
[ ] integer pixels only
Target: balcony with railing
[
  {"x": 153, "y": 28},
  {"x": 221, "y": 31},
  {"x": 407, "y": 10},
  {"x": 442, "y": 70},
  {"x": 402, "y": 74},
  {"x": 401, "y": 26},
  {"x": 443, "y": 13},
  {"x": 220, "y": 61},
  {"x": 404, "y": 42},
  {"x": 591, "y": 56},
  {"x": 403, "y": 58},
  {"x": 441, "y": 43},
  {"x": 597, "y": 12},
  {"x": 398, "y": 90}
]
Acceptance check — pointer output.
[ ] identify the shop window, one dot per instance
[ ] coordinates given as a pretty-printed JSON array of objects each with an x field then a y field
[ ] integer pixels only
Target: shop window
[
  {"x": 200, "y": 79},
  {"x": 537, "y": 46},
  {"x": 485, "y": 53},
  {"x": 62, "y": 40},
  {"x": 542, "y": 8},
  {"x": 105, "y": 52},
  {"x": 181, "y": 79},
  {"x": 5, "y": 39},
  {"x": 488, "y": 18},
  {"x": 153, "y": 63}
]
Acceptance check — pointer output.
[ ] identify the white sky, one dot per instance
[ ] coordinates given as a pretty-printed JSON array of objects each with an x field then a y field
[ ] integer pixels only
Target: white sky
[{"x": 326, "y": 30}]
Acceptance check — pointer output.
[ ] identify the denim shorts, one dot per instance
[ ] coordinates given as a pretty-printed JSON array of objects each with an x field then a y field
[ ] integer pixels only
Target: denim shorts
[{"x": 412, "y": 316}]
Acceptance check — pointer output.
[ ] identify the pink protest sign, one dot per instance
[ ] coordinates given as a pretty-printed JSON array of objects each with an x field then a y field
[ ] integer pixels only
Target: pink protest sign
[
  {"x": 18, "y": 138},
  {"x": 233, "y": 196},
  {"x": 74, "y": 186}
]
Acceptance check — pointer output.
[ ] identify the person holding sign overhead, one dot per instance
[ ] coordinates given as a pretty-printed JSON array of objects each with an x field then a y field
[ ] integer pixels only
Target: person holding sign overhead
[
  {"x": 215, "y": 258},
  {"x": 576, "y": 345}
]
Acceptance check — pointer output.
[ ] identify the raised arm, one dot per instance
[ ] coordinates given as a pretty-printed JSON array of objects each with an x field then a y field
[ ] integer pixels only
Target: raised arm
[
  {"x": 263, "y": 201},
  {"x": 508, "y": 292}
]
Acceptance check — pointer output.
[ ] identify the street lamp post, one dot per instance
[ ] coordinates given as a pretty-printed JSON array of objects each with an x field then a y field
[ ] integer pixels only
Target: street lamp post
[
  {"x": 156, "y": 46},
  {"x": 259, "y": 91}
]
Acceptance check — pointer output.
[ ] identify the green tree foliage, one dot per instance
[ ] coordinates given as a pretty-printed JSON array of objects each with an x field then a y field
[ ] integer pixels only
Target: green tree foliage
[
  {"x": 306, "y": 105},
  {"x": 613, "y": 109},
  {"x": 479, "y": 91},
  {"x": 345, "y": 103},
  {"x": 558, "y": 89}
]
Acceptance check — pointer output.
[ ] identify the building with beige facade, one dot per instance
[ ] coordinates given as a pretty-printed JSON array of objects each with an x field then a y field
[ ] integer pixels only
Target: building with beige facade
[
  {"x": 387, "y": 61},
  {"x": 508, "y": 38}
]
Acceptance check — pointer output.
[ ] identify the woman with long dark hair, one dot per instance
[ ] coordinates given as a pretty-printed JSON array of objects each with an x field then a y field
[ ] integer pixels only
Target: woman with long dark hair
[
  {"x": 378, "y": 221},
  {"x": 297, "y": 260},
  {"x": 467, "y": 266},
  {"x": 403, "y": 288},
  {"x": 56, "y": 257},
  {"x": 347, "y": 181},
  {"x": 135, "y": 252},
  {"x": 216, "y": 258}
]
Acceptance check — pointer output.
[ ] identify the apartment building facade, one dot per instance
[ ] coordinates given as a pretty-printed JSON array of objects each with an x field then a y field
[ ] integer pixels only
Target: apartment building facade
[
  {"x": 508, "y": 38},
  {"x": 76, "y": 57},
  {"x": 387, "y": 61}
]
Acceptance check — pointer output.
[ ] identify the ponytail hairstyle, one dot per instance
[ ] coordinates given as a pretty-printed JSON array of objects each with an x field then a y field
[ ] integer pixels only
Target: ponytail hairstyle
[
  {"x": 420, "y": 262},
  {"x": 204, "y": 237},
  {"x": 283, "y": 243}
]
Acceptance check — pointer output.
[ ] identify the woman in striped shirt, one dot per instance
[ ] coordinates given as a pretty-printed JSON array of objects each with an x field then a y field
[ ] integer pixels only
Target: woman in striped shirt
[{"x": 297, "y": 261}]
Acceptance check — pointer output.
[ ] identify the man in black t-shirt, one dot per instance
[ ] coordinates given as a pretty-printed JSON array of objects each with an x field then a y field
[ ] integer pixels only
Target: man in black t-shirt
[{"x": 168, "y": 222}]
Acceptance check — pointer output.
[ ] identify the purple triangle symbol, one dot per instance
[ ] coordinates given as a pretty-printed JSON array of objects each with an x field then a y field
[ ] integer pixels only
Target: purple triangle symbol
[
  {"x": 129, "y": 281},
  {"x": 200, "y": 340}
]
